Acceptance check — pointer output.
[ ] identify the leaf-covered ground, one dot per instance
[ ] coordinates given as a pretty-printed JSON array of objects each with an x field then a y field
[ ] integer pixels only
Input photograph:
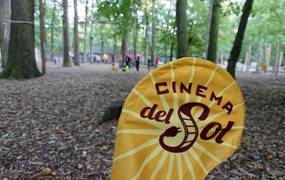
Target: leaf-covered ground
[{"x": 48, "y": 125}]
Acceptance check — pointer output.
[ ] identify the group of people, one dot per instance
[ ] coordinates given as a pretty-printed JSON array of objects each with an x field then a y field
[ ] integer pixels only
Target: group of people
[{"x": 128, "y": 63}]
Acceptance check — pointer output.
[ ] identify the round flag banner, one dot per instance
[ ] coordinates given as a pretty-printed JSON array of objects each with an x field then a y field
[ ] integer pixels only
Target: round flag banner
[{"x": 179, "y": 122}]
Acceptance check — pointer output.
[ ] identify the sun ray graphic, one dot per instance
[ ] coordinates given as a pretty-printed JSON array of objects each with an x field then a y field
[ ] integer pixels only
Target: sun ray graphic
[
  {"x": 140, "y": 131},
  {"x": 170, "y": 166},
  {"x": 198, "y": 160},
  {"x": 137, "y": 149},
  {"x": 187, "y": 96},
  {"x": 137, "y": 116},
  {"x": 207, "y": 152},
  {"x": 175, "y": 95},
  {"x": 143, "y": 98},
  {"x": 189, "y": 165},
  {"x": 223, "y": 92},
  {"x": 179, "y": 166},
  {"x": 162, "y": 98},
  {"x": 150, "y": 157},
  {"x": 199, "y": 98},
  {"x": 223, "y": 144},
  {"x": 163, "y": 157},
  {"x": 237, "y": 127}
]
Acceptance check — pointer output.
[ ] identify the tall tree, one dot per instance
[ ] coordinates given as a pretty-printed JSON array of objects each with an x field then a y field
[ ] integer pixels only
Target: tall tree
[
  {"x": 182, "y": 33},
  {"x": 115, "y": 50},
  {"x": 52, "y": 30},
  {"x": 21, "y": 62},
  {"x": 66, "y": 58},
  {"x": 102, "y": 39},
  {"x": 135, "y": 36},
  {"x": 146, "y": 30},
  {"x": 43, "y": 35},
  {"x": 85, "y": 32},
  {"x": 91, "y": 34},
  {"x": 171, "y": 51},
  {"x": 5, "y": 15},
  {"x": 124, "y": 46},
  {"x": 153, "y": 32},
  {"x": 213, "y": 30},
  {"x": 236, "y": 49},
  {"x": 75, "y": 36}
]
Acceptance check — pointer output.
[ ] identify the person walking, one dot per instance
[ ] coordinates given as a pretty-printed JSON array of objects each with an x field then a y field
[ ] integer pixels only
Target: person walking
[
  {"x": 128, "y": 60},
  {"x": 138, "y": 63},
  {"x": 148, "y": 64}
]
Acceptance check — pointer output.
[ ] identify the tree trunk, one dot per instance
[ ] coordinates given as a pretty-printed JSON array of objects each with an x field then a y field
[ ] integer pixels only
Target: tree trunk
[
  {"x": 182, "y": 33},
  {"x": 259, "y": 60},
  {"x": 76, "y": 36},
  {"x": 165, "y": 53},
  {"x": 91, "y": 50},
  {"x": 91, "y": 36},
  {"x": 66, "y": 58},
  {"x": 248, "y": 62},
  {"x": 236, "y": 49},
  {"x": 153, "y": 33},
  {"x": 85, "y": 32},
  {"x": 43, "y": 35},
  {"x": 280, "y": 62},
  {"x": 167, "y": 29},
  {"x": 277, "y": 58},
  {"x": 102, "y": 40},
  {"x": 268, "y": 55},
  {"x": 91, "y": 45},
  {"x": 135, "y": 38},
  {"x": 124, "y": 46},
  {"x": 21, "y": 62},
  {"x": 5, "y": 15},
  {"x": 171, "y": 51},
  {"x": 52, "y": 31},
  {"x": 115, "y": 51},
  {"x": 213, "y": 30},
  {"x": 146, "y": 37}
]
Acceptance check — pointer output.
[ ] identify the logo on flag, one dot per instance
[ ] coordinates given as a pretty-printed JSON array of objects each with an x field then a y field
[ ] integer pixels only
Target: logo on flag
[{"x": 179, "y": 122}]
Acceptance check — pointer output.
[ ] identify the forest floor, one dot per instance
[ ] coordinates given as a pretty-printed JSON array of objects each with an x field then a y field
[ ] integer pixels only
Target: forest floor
[{"x": 48, "y": 125}]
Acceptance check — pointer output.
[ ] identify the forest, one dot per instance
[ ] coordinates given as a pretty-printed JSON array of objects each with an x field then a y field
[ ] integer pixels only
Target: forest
[
  {"x": 67, "y": 66},
  {"x": 154, "y": 30}
]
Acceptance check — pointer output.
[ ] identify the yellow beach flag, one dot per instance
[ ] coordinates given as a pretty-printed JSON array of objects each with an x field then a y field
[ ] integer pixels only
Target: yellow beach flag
[{"x": 179, "y": 122}]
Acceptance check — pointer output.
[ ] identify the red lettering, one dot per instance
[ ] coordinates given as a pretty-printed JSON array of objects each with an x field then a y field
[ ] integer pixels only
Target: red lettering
[
  {"x": 160, "y": 116},
  {"x": 158, "y": 90},
  {"x": 204, "y": 134},
  {"x": 219, "y": 132},
  {"x": 148, "y": 112},
  {"x": 200, "y": 90},
  {"x": 216, "y": 98},
  {"x": 228, "y": 106},
  {"x": 173, "y": 86},
  {"x": 223, "y": 132},
  {"x": 184, "y": 88}
]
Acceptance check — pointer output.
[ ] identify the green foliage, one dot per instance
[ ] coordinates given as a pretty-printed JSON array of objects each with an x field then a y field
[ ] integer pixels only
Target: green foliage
[{"x": 266, "y": 24}]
